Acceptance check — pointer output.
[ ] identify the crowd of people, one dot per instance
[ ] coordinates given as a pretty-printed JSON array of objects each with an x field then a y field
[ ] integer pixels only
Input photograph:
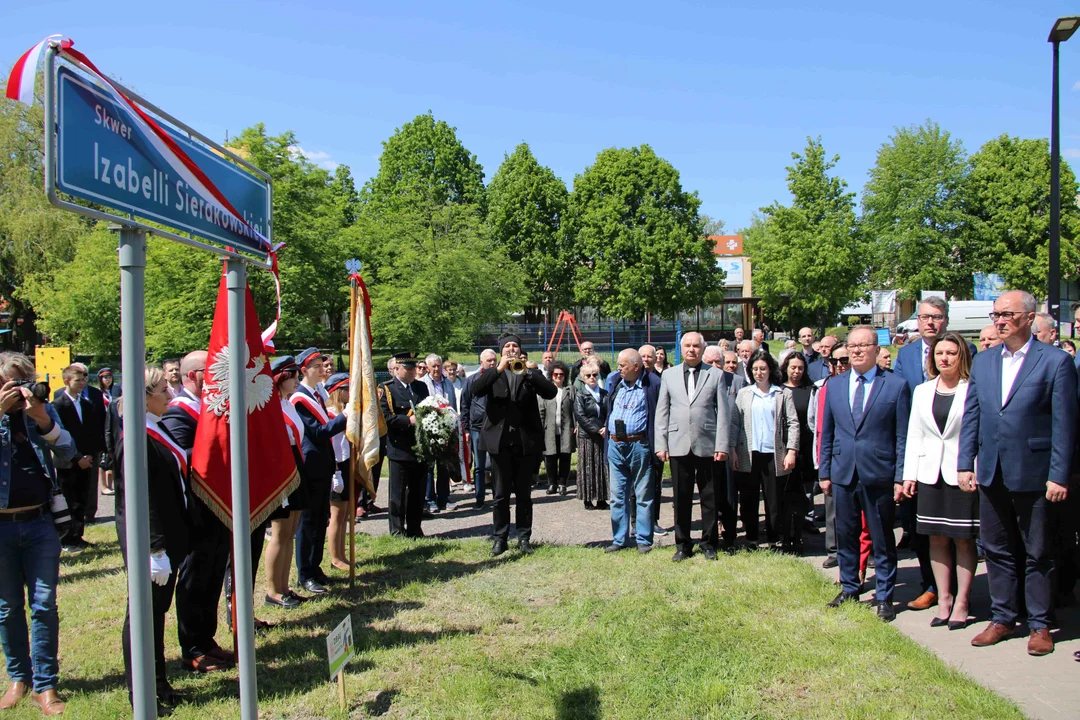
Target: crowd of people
[{"x": 971, "y": 450}]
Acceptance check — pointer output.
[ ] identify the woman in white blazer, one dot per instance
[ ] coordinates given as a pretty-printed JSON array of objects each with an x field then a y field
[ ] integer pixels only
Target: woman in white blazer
[{"x": 945, "y": 513}]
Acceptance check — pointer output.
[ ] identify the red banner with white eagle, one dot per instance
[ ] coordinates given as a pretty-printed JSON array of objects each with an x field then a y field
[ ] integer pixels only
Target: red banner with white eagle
[{"x": 272, "y": 473}]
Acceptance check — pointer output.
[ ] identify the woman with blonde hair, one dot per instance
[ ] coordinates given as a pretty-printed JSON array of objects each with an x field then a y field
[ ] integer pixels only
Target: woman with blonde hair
[{"x": 337, "y": 387}]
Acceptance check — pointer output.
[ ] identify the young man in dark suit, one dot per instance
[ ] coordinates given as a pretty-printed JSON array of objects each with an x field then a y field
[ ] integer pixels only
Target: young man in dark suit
[
  {"x": 1020, "y": 422},
  {"x": 78, "y": 477},
  {"x": 863, "y": 437},
  {"x": 514, "y": 435},
  {"x": 408, "y": 476}
]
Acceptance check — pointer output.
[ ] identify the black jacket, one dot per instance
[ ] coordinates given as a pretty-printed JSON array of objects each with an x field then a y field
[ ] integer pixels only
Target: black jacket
[
  {"x": 170, "y": 523},
  {"x": 88, "y": 433},
  {"x": 319, "y": 460},
  {"x": 589, "y": 415},
  {"x": 575, "y": 369},
  {"x": 181, "y": 426},
  {"x": 507, "y": 416},
  {"x": 473, "y": 409},
  {"x": 396, "y": 403}
]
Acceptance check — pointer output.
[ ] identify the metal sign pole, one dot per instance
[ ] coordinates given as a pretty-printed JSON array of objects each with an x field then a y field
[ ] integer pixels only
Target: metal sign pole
[
  {"x": 236, "y": 283},
  {"x": 136, "y": 493}
]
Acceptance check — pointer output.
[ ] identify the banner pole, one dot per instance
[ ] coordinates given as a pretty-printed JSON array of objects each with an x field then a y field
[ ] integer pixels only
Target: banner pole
[
  {"x": 352, "y": 449},
  {"x": 136, "y": 493},
  {"x": 243, "y": 608}
]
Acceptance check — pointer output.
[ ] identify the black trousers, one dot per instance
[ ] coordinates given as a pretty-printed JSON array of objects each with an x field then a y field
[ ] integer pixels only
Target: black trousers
[
  {"x": 199, "y": 582},
  {"x": 365, "y": 499},
  {"x": 258, "y": 539},
  {"x": 408, "y": 485},
  {"x": 688, "y": 471},
  {"x": 726, "y": 499},
  {"x": 658, "y": 483},
  {"x": 1015, "y": 531},
  {"x": 784, "y": 500},
  {"x": 311, "y": 532},
  {"x": 557, "y": 466},
  {"x": 920, "y": 544},
  {"x": 161, "y": 599},
  {"x": 513, "y": 474},
  {"x": 77, "y": 484}
]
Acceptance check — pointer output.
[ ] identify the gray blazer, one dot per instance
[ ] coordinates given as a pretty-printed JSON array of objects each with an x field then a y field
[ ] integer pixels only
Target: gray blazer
[
  {"x": 785, "y": 437},
  {"x": 691, "y": 427},
  {"x": 547, "y": 416}
]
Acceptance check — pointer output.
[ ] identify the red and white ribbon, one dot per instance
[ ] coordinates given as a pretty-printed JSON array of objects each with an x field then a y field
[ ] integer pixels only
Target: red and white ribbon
[
  {"x": 302, "y": 398},
  {"x": 188, "y": 404},
  {"x": 21, "y": 87}
]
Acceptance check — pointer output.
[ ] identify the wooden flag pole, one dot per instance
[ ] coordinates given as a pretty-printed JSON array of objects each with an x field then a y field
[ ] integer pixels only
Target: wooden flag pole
[{"x": 352, "y": 456}]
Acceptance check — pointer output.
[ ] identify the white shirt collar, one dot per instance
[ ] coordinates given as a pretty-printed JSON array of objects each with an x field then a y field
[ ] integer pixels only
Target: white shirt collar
[
  {"x": 1019, "y": 353},
  {"x": 773, "y": 389}
]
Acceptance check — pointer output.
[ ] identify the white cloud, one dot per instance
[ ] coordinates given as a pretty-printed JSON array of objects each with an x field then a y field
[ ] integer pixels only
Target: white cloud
[
  {"x": 1071, "y": 153},
  {"x": 320, "y": 158}
]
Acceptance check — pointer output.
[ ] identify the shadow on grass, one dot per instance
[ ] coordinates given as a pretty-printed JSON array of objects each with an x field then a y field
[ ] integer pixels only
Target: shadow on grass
[
  {"x": 580, "y": 704},
  {"x": 87, "y": 575},
  {"x": 71, "y": 684},
  {"x": 381, "y": 703}
]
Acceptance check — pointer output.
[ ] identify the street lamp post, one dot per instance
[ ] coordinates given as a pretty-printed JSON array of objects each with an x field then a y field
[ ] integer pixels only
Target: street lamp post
[{"x": 1062, "y": 31}]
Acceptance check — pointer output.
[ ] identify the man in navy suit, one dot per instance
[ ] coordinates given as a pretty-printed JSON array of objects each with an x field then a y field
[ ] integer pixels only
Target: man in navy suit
[
  {"x": 818, "y": 369},
  {"x": 1020, "y": 420},
  {"x": 933, "y": 319},
  {"x": 863, "y": 435}
]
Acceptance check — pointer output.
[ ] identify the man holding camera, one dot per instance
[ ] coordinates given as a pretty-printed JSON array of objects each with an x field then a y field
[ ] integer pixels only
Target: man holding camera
[{"x": 29, "y": 543}]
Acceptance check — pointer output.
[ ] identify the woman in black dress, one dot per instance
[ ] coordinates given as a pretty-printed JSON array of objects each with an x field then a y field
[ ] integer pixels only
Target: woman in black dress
[
  {"x": 804, "y": 393},
  {"x": 590, "y": 413},
  {"x": 166, "y": 465}
]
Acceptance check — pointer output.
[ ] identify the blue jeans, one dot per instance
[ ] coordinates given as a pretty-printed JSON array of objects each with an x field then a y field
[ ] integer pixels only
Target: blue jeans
[
  {"x": 438, "y": 485},
  {"x": 30, "y": 557},
  {"x": 630, "y": 467},
  {"x": 480, "y": 466}
]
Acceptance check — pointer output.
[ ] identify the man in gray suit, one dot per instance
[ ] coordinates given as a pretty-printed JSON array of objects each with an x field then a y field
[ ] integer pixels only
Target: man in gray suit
[
  {"x": 692, "y": 432},
  {"x": 722, "y": 472}
]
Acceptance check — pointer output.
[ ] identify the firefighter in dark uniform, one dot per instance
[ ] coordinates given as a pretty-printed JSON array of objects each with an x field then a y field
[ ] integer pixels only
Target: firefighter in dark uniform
[{"x": 408, "y": 477}]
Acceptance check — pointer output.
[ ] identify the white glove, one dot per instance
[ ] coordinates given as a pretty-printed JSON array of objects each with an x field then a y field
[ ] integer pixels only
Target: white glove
[
  {"x": 160, "y": 568},
  {"x": 339, "y": 482}
]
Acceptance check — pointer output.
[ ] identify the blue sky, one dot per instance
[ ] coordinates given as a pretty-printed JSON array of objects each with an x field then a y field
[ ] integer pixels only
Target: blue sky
[{"x": 725, "y": 91}]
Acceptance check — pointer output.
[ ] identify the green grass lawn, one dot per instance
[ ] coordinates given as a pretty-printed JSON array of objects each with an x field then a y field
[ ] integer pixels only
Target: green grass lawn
[{"x": 444, "y": 631}]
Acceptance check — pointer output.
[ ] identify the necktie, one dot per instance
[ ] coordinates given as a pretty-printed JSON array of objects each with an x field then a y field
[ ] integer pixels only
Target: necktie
[
  {"x": 860, "y": 397},
  {"x": 925, "y": 357},
  {"x": 691, "y": 386}
]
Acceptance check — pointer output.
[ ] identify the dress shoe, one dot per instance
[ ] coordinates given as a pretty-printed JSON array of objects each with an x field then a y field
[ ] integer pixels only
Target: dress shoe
[
  {"x": 644, "y": 549},
  {"x": 614, "y": 548},
  {"x": 562, "y": 490},
  {"x": 924, "y": 602},
  {"x": 204, "y": 664},
  {"x": 1040, "y": 643},
  {"x": 679, "y": 556},
  {"x": 286, "y": 601},
  {"x": 601, "y": 505},
  {"x": 373, "y": 509},
  {"x": 49, "y": 702},
  {"x": 479, "y": 504},
  {"x": 842, "y": 598},
  {"x": 525, "y": 546},
  {"x": 222, "y": 654},
  {"x": 830, "y": 562},
  {"x": 885, "y": 611},
  {"x": 810, "y": 528},
  {"x": 14, "y": 694},
  {"x": 314, "y": 587},
  {"x": 551, "y": 490},
  {"x": 710, "y": 553},
  {"x": 904, "y": 543},
  {"x": 940, "y": 622},
  {"x": 657, "y": 530},
  {"x": 298, "y": 598},
  {"x": 498, "y": 548},
  {"x": 992, "y": 635}
]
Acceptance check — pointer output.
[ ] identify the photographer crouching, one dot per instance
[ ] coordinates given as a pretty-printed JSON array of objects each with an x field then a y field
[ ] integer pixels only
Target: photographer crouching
[{"x": 29, "y": 542}]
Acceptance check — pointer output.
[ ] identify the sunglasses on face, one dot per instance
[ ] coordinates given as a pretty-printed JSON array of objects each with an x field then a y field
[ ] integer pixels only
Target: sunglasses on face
[
  {"x": 839, "y": 361},
  {"x": 589, "y": 375}
]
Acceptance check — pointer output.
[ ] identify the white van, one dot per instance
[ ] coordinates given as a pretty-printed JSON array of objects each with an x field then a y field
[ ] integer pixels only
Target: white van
[{"x": 965, "y": 316}]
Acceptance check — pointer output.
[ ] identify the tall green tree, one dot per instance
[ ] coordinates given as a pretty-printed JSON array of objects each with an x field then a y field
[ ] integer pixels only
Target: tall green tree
[
  {"x": 641, "y": 240},
  {"x": 807, "y": 258},
  {"x": 423, "y": 164},
  {"x": 435, "y": 277},
  {"x": 526, "y": 205},
  {"x": 1008, "y": 203},
  {"x": 913, "y": 214}
]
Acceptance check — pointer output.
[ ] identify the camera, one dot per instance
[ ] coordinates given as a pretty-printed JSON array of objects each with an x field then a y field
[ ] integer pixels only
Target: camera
[
  {"x": 60, "y": 512},
  {"x": 39, "y": 390}
]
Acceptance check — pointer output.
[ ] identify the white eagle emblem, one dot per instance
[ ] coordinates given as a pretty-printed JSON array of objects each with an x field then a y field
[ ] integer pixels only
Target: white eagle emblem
[{"x": 258, "y": 387}]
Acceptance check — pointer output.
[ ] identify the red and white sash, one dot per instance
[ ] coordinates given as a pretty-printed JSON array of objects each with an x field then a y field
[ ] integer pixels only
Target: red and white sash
[
  {"x": 294, "y": 425},
  {"x": 302, "y": 398},
  {"x": 154, "y": 431},
  {"x": 188, "y": 404}
]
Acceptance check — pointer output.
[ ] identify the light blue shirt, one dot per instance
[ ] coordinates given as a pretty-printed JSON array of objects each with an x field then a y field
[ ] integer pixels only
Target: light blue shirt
[
  {"x": 631, "y": 407},
  {"x": 853, "y": 384},
  {"x": 763, "y": 420}
]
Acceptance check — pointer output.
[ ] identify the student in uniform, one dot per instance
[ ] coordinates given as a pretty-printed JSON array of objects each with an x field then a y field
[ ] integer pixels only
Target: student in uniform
[{"x": 337, "y": 389}]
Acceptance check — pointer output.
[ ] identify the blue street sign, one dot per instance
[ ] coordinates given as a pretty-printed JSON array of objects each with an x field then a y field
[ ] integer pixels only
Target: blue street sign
[{"x": 104, "y": 157}]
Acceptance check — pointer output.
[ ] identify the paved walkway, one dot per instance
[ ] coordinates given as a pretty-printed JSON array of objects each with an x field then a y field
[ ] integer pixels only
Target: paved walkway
[{"x": 1045, "y": 688}]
